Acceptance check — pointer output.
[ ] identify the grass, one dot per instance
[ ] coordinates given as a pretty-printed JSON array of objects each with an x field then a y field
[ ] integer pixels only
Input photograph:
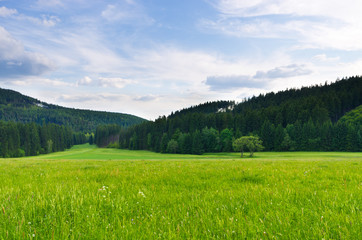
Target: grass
[{"x": 91, "y": 193}]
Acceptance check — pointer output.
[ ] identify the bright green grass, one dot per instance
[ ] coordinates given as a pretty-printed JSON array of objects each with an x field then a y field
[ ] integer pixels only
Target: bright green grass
[{"x": 149, "y": 196}]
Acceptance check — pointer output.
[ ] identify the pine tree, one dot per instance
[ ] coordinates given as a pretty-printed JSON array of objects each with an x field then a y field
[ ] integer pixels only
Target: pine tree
[
  {"x": 164, "y": 142},
  {"x": 197, "y": 147},
  {"x": 226, "y": 138},
  {"x": 267, "y": 135},
  {"x": 34, "y": 140},
  {"x": 278, "y": 138}
]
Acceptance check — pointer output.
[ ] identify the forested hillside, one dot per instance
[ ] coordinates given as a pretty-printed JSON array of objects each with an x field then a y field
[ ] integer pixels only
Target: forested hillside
[
  {"x": 19, "y": 139},
  {"x": 303, "y": 119},
  {"x": 319, "y": 103},
  {"x": 19, "y": 108}
]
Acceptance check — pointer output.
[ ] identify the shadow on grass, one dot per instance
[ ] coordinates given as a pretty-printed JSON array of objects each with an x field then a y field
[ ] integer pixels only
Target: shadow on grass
[{"x": 254, "y": 179}]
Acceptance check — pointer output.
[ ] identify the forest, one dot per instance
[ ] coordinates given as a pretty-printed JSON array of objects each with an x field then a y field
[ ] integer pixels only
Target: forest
[
  {"x": 307, "y": 119},
  {"x": 19, "y": 108},
  {"x": 30, "y": 139},
  {"x": 317, "y": 118}
]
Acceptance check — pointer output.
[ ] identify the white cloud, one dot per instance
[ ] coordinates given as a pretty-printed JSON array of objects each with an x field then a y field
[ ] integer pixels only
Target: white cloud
[
  {"x": 7, "y": 12},
  {"x": 16, "y": 61},
  {"x": 221, "y": 83},
  {"x": 111, "y": 13},
  {"x": 49, "y": 3},
  {"x": 283, "y": 72},
  {"x": 114, "y": 82},
  {"x": 85, "y": 50},
  {"x": 262, "y": 79},
  {"x": 50, "y": 21},
  {"x": 38, "y": 81},
  {"x": 85, "y": 81},
  {"x": 168, "y": 64},
  {"x": 45, "y": 20},
  {"x": 347, "y": 9},
  {"x": 127, "y": 12},
  {"x": 325, "y": 58},
  {"x": 314, "y": 24},
  {"x": 147, "y": 98},
  {"x": 96, "y": 97}
]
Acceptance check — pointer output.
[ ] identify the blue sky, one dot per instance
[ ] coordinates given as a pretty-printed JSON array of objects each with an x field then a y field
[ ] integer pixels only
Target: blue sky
[{"x": 149, "y": 58}]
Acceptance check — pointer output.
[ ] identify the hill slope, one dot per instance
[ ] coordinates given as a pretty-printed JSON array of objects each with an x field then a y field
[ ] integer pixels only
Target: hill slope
[
  {"x": 320, "y": 102},
  {"x": 303, "y": 119},
  {"x": 20, "y": 108}
]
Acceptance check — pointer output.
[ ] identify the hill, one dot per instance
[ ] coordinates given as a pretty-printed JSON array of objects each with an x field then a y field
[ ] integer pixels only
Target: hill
[
  {"x": 319, "y": 102},
  {"x": 304, "y": 119},
  {"x": 20, "y": 108}
]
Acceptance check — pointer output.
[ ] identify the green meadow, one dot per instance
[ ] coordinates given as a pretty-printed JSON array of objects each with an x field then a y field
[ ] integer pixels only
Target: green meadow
[{"x": 92, "y": 193}]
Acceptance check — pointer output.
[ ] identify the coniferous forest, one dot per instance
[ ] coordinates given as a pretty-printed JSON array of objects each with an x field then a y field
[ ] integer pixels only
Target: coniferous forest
[
  {"x": 30, "y": 139},
  {"x": 19, "y": 108},
  {"x": 317, "y": 118},
  {"x": 307, "y": 119},
  {"x": 29, "y": 127}
]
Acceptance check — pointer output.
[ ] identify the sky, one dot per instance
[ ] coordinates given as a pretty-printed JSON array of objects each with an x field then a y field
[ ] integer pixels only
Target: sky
[{"x": 151, "y": 57}]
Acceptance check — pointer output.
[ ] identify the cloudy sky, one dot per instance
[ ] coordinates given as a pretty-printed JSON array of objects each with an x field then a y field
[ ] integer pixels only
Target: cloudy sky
[{"x": 149, "y": 58}]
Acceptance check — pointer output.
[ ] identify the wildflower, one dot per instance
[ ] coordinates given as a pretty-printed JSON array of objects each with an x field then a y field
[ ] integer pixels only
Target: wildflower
[
  {"x": 33, "y": 235},
  {"x": 141, "y": 194},
  {"x": 103, "y": 188}
]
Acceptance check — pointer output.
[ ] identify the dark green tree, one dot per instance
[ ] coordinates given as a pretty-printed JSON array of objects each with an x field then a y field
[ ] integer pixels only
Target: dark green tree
[
  {"x": 164, "y": 142},
  {"x": 197, "y": 146},
  {"x": 172, "y": 146},
  {"x": 226, "y": 139}
]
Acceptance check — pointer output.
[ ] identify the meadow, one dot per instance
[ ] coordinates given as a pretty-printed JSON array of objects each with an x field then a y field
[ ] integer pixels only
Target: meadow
[{"x": 92, "y": 193}]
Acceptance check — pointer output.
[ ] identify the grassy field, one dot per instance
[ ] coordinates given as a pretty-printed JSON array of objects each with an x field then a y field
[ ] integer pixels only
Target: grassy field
[{"x": 90, "y": 193}]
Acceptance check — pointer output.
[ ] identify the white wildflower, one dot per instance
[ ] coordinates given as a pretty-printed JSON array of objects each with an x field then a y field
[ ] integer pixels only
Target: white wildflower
[{"x": 141, "y": 194}]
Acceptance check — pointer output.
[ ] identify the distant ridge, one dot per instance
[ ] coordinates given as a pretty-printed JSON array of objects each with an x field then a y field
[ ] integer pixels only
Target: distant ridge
[
  {"x": 17, "y": 107},
  {"x": 207, "y": 108},
  {"x": 331, "y": 100}
]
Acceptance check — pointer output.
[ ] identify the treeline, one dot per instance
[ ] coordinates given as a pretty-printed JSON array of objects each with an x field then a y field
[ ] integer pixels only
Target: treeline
[
  {"x": 19, "y": 108},
  {"x": 19, "y": 139},
  {"x": 208, "y": 107},
  {"x": 107, "y": 134},
  {"x": 303, "y": 119},
  {"x": 307, "y": 136}
]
